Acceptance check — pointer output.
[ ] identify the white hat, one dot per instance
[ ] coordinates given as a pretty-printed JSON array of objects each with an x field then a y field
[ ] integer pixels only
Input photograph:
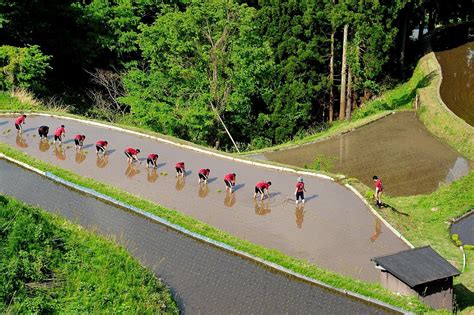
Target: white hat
[{"x": 300, "y": 179}]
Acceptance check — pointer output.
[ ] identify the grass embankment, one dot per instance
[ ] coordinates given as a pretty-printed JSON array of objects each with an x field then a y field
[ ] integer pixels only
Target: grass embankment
[
  {"x": 297, "y": 265},
  {"x": 48, "y": 265},
  {"x": 424, "y": 220},
  {"x": 399, "y": 98},
  {"x": 437, "y": 118}
]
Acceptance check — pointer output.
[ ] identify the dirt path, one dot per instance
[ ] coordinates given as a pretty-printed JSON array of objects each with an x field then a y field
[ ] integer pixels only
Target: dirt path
[{"x": 334, "y": 230}]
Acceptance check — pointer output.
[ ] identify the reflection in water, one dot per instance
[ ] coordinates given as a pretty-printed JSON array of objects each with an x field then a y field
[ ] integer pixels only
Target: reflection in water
[
  {"x": 229, "y": 200},
  {"x": 299, "y": 214},
  {"x": 377, "y": 231},
  {"x": 151, "y": 175},
  {"x": 80, "y": 157},
  {"x": 456, "y": 88},
  {"x": 131, "y": 171},
  {"x": 180, "y": 182},
  {"x": 102, "y": 161},
  {"x": 460, "y": 168},
  {"x": 203, "y": 191},
  {"x": 262, "y": 207},
  {"x": 20, "y": 141},
  {"x": 59, "y": 152},
  {"x": 398, "y": 147},
  {"x": 44, "y": 145}
]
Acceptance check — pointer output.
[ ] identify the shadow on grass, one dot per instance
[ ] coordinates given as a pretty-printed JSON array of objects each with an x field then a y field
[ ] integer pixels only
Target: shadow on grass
[
  {"x": 464, "y": 296},
  {"x": 395, "y": 210},
  {"x": 409, "y": 97}
]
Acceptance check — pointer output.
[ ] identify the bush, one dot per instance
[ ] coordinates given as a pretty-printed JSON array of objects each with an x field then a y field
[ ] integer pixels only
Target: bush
[{"x": 22, "y": 67}]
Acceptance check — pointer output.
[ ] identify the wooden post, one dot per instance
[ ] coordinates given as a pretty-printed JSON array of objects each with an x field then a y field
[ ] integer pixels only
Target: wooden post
[{"x": 331, "y": 79}]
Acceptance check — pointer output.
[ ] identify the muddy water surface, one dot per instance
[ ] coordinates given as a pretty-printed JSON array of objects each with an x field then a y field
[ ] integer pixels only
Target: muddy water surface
[
  {"x": 334, "y": 230},
  {"x": 397, "y": 148},
  {"x": 457, "y": 87}
]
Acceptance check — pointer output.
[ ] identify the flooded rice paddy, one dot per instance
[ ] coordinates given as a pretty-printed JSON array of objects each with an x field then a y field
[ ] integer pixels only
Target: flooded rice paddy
[
  {"x": 457, "y": 86},
  {"x": 197, "y": 273},
  {"x": 333, "y": 230},
  {"x": 397, "y": 148}
]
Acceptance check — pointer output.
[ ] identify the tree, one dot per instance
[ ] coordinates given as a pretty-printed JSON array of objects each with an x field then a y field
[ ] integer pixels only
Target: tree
[
  {"x": 23, "y": 67},
  {"x": 202, "y": 65}
]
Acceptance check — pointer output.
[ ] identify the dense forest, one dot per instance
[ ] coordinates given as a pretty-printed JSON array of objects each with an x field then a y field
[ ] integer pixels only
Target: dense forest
[{"x": 256, "y": 72}]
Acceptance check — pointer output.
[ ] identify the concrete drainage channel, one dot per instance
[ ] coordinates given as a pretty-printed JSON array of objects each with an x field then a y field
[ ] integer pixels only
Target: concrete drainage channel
[{"x": 354, "y": 297}]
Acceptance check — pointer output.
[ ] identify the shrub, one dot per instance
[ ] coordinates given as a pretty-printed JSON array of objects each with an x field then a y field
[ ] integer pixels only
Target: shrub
[{"x": 22, "y": 67}]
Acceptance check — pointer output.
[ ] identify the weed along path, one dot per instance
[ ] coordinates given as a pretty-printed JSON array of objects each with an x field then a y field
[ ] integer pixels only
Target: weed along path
[
  {"x": 203, "y": 279},
  {"x": 334, "y": 230}
]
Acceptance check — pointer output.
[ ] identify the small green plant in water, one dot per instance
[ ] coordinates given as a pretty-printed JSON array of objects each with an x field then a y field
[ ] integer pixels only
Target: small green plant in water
[
  {"x": 322, "y": 163},
  {"x": 456, "y": 240}
]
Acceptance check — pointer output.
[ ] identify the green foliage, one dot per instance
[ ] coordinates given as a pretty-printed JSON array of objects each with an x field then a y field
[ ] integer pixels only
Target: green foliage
[
  {"x": 322, "y": 163},
  {"x": 456, "y": 240},
  {"x": 201, "y": 62},
  {"x": 48, "y": 265},
  {"x": 22, "y": 67}
]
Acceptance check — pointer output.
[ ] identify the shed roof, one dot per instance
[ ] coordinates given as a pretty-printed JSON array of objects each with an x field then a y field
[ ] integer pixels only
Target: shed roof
[{"x": 417, "y": 266}]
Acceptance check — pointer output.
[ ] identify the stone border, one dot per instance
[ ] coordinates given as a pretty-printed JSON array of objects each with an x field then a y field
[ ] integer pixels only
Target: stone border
[{"x": 202, "y": 238}]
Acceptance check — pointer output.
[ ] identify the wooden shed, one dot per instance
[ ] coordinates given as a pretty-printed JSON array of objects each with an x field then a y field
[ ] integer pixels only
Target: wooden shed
[{"x": 421, "y": 272}]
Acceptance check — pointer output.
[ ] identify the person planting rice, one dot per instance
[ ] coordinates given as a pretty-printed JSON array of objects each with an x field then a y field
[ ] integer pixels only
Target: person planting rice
[
  {"x": 59, "y": 134},
  {"x": 18, "y": 122},
  {"x": 300, "y": 190},
  {"x": 151, "y": 160},
  {"x": 378, "y": 191},
  {"x": 43, "y": 132},
  {"x": 229, "y": 181},
  {"x": 204, "y": 175},
  {"x": 132, "y": 155},
  {"x": 180, "y": 169},
  {"x": 100, "y": 147},
  {"x": 262, "y": 188},
  {"x": 79, "y": 141}
]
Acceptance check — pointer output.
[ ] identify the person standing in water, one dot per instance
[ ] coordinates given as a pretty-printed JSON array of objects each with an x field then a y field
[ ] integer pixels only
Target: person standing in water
[
  {"x": 204, "y": 175},
  {"x": 59, "y": 134},
  {"x": 100, "y": 147},
  {"x": 180, "y": 169},
  {"x": 229, "y": 181},
  {"x": 43, "y": 132},
  {"x": 151, "y": 160},
  {"x": 378, "y": 191},
  {"x": 18, "y": 122},
  {"x": 262, "y": 188},
  {"x": 300, "y": 190},
  {"x": 79, "y": 141},
  {"x": 132, "y": 155}
]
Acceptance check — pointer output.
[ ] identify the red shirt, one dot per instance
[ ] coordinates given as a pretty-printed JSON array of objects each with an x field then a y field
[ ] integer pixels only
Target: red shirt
[
  {"x": 263, "y": 185},
  {"x": 131, "y": 151},
  {"x": 229, "y": 177},
  {"x": 299, "y": 187},
  {"x": 101, "y": 143},
  {"x": 59, "y": 131},
  {"x": 153, "y": 156},
  {"x": 20, "y": 120},
  {"x": 80, "y": 137},
  {"x": 180, "y": 165},
  {"x": 379, "y": 185},
  {"x": 204, "y": 171}
]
